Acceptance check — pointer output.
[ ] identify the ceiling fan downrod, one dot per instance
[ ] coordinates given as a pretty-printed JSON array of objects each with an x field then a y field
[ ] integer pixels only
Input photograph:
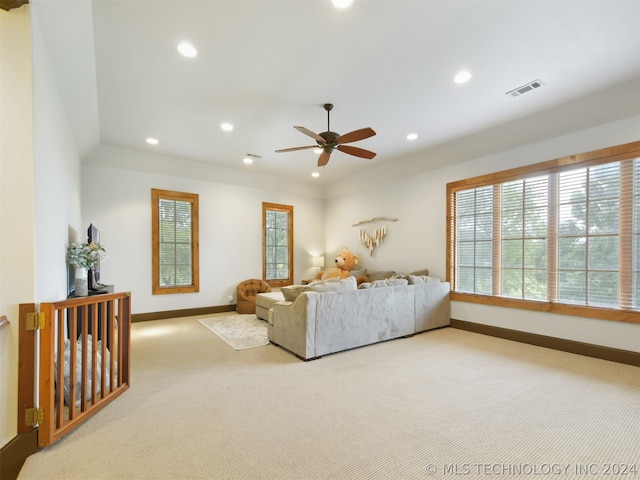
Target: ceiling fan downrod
[{"x": 328, "y": 107}]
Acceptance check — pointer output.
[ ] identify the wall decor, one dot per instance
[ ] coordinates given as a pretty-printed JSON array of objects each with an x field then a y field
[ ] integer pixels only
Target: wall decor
[{"x": 373, "y": 240}]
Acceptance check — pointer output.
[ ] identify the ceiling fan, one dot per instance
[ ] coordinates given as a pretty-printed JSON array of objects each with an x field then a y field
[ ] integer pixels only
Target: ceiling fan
[{"x": 329, "y": 141}]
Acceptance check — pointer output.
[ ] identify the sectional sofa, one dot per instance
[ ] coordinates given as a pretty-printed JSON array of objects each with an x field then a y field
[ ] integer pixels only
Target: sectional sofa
[{"x": 328, "y": 317}]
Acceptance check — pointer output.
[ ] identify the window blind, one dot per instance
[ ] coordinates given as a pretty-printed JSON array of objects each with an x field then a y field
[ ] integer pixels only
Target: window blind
[
  {"x": 175, "y": 243},
  {"x": 566, "y": 233}
]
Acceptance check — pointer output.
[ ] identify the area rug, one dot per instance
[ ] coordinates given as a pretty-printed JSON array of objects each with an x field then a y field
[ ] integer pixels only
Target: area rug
[{"x": 239, "y": 331}]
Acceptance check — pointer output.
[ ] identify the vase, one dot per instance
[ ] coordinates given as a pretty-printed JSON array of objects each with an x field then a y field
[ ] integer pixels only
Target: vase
[{"x": 82, "y": 282}]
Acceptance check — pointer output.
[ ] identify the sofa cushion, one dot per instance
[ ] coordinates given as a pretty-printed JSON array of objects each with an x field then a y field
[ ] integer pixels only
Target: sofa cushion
[
  {"x": 398, "y": 275},
  {"x": 389, "y": 282},
  {"x": 380, "y": 275},
  {"x": 358, "y": 273},
  {"x": 291, "y": 292},
  {"x": 424, "y": 271},
  {"x": 418, "y": 279},
  {"x": 265, "y": 302},
  {"x": 332, "y": 285}
]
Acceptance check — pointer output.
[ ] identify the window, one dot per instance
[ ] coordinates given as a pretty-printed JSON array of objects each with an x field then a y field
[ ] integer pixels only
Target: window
[
  {"x": 175, "y": 242},
  {"x": 277, "y": 244},
  {"x": 561, "y": 236}
]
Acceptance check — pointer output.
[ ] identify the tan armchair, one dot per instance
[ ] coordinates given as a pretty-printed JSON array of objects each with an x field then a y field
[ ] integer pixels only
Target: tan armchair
[{"x": 246, "y": 294}]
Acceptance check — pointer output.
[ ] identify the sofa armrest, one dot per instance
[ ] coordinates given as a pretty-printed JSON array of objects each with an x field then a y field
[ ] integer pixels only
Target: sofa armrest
[
  {"x": 432, "y": 305},
  {"x": 292, "y": 325}
]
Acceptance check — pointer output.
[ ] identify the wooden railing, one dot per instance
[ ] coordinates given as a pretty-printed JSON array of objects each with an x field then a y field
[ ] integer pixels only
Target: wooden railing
[{"x": 84, "y": 360}]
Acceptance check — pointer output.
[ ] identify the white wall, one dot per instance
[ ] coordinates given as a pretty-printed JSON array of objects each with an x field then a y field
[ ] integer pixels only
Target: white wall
[
  {"x": 418, "y": 239},
  {"x": 56, "y": 175},
  {"x": 118, "y": 202},
  {"x": 16, "y": 201},
  {"x": 412, "y": 243},
  {"x": 39, "y": 190}
]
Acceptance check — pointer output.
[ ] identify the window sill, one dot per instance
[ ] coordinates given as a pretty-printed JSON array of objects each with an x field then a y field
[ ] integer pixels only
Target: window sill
[{"x": 616, "y": 315}]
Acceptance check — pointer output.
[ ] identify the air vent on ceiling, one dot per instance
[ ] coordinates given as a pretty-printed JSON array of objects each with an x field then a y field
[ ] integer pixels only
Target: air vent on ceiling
[{"x": 516, "y": 92}]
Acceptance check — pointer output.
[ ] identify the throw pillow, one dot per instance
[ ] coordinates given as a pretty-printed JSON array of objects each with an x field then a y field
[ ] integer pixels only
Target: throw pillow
[
  {"x": 358, "y": 273},
  {"x": 389, "y": 282},
  {"x": 291, "y": 292},
  {"x": 418, "y": 279},
  {"x": 381, "y": 275},
  {"x": 421, "y": 272},
  {"x": 398, "y": 275},
  {"x": 332, "y": 285}
]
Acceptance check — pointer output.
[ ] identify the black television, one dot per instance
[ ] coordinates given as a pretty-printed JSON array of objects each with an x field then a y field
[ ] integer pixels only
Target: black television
[{"x": 93, "y": 235}]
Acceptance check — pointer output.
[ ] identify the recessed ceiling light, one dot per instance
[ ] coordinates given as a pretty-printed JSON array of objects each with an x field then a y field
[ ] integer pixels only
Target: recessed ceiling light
[
  {"x": 315, "y": 174},
  {"x": 412, "y": 136},
  {"x": 341, "y": 3},
  {"x": 152, "y": 141},
  {"x": 462, "y": 77},
  {"x": 249, "y": 157},
  {"x": 227, "y": 127},
  {"x": 187, "y": 49}
]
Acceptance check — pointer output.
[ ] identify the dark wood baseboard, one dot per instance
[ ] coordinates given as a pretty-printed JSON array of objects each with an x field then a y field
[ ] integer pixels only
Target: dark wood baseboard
[
  {"x": 14, "y": 453},
  {"x": 188, "y": 312},
  {"x": 571, "y": 346}
]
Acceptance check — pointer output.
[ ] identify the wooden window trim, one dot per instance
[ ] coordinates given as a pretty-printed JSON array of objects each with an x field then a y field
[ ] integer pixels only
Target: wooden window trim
[
  {"x": 597, "y": 157},
  {"x": 280, "y": 208},
  {"x": 156, "y": 195}
]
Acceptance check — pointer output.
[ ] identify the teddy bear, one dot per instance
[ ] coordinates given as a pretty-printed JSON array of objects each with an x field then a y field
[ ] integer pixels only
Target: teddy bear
[{"x": 344, "y": 263}]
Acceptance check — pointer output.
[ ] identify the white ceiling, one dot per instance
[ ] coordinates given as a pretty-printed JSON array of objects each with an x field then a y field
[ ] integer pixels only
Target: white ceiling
[{"x": 268, "y": 65}]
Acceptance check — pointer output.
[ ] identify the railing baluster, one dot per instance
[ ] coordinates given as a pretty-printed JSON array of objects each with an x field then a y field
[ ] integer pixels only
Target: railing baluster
[
  {"x": 94, "y": 350},
  {"x": 103, "y": 364},
  {"x": 85, "y": 358},
  {"x": 114, "y": 348},
  {"x": 59, "y": 399},
  {"x": 73, "y": 335}
]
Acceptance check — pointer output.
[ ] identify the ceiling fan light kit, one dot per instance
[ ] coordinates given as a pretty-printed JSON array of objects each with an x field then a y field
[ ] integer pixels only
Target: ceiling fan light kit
[{"x": 329, "y": 141}]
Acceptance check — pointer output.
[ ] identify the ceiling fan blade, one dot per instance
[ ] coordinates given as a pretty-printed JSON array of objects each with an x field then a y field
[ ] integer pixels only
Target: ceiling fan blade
[
  {"x": 358, "y": 152},
  {"x": 313, "y": 135},
  {"x": 323, "y": 159},
  {"x": 356, "y": 135},
  {"x": 295, "y": 148}
]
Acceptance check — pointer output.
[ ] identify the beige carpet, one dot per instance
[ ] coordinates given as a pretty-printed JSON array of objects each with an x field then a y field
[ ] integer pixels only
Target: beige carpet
[
  {"x": 417, "y": 408},
  {"x": 239, "y": 331}
]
